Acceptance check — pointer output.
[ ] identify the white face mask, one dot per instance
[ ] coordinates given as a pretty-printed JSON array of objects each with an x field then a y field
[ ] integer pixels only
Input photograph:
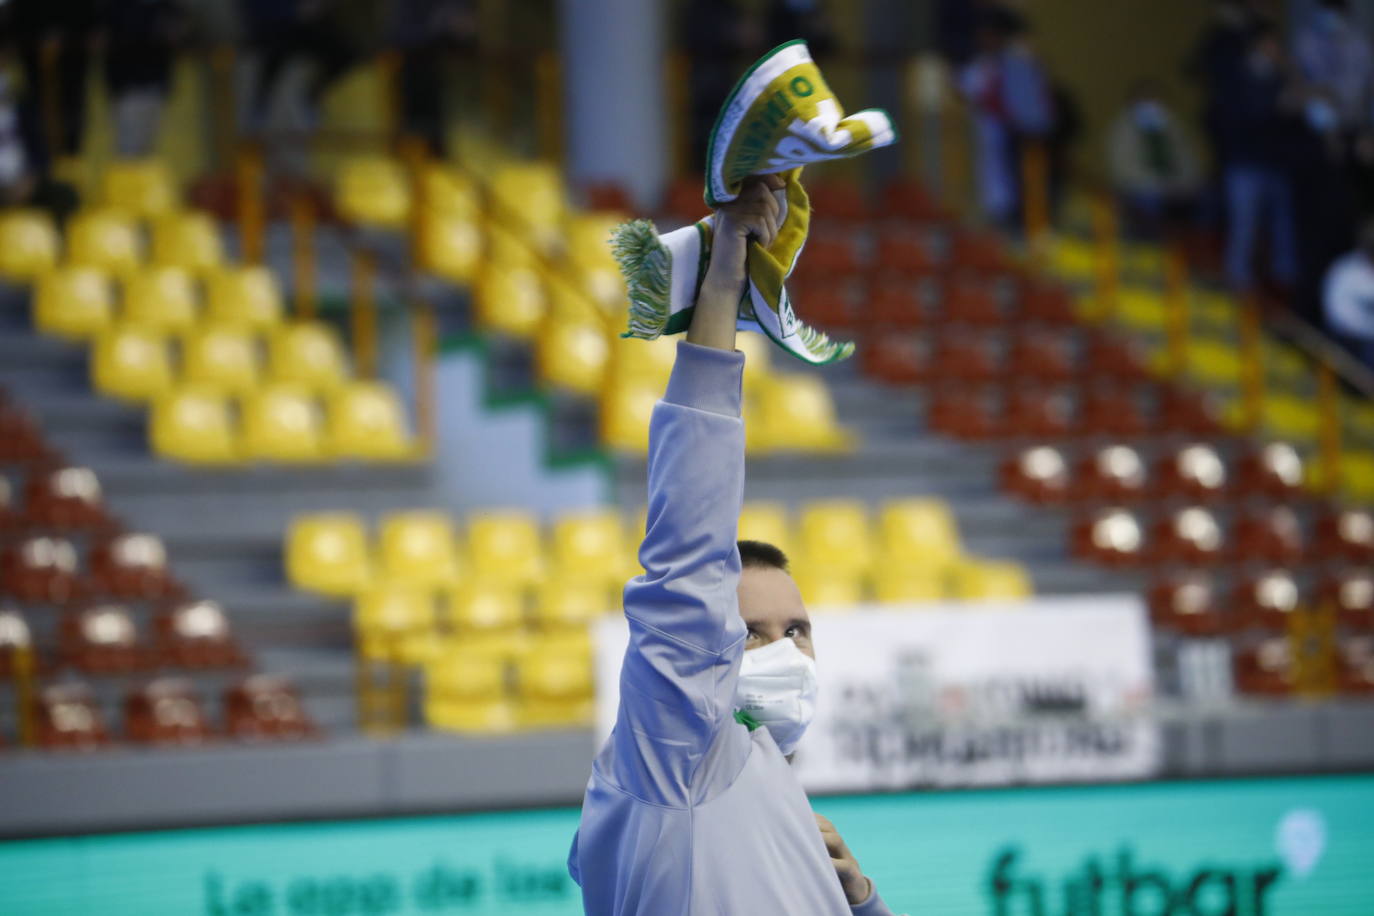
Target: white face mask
[{"x": 777, "y": 688}]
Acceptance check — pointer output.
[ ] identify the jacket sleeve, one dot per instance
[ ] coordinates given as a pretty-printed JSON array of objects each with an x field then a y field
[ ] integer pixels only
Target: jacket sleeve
[
  {"x": 873, "y": 906},
  {"x": 677, "y": 682}
]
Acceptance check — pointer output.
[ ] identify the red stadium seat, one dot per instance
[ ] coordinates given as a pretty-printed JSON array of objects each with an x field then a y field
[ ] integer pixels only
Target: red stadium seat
[
  {"x": 266, "y": 708},
  {"x": 964, "y": 357},
  {"x": 1111, "y": 537},
  {"x": 65, "y": 498},
  {"x": 1187, "y": 412},
  {"x": 967, "y": 413},
  {"x": 66, "y": 718},
  {"x": 684, "y": 202},
  {"x": 608, "y": 195},
  {"x": 1351, "y": 595},
  {"x": 1039, "y": 413},
  {"x": 1189, "y": 536},
  {"x": 1273, "y": 536},
  {"x": 1112, "y": 474},
  {"x": 837, "y": 201},
  {"x": 980, "y": 251},
  {"x": 1113, "y": 411},
  {"x": 20, "y": 439},
  {"x": 1194, "y": 472},
  {"x": 41, "y": 570},
  {"x": 1043, "y": 356},
  {"x": 896, "y": 300},
  {"x": 1047, "y": 303},
  {"x": 15, "y": 638},
  {"x": 196, "y": 634},
  {"x": 1345, "y": 534},
  {"x": 132, "y": 566},
  {"x": 10, "y": 518},
  {"x": 907, "y": 252},
  {"x": 1187, "y": 605},
  {"x": 1038, "y": 474},
  {"x": 832, "y": 251},
  {"x": 1108, "y": 357},
  {"x": 167, "y": 711},
  {"x": 1274, "y": 470},
  {"x": 971, "y": 299},
  {"x": 909, "y": 200},
  {"x": 1267, "y": 601},
  {"x": 102, "y": 639},
  {"x": 1355, "y": 665},
  {"x": 829, "y": 302},
  {"x": 1267, "y": 669},
  {"x": 897, "y": 358}
]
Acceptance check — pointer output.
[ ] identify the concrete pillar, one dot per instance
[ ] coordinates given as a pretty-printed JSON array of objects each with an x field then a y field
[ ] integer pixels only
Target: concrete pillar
[{"x": 615, "y": 107}]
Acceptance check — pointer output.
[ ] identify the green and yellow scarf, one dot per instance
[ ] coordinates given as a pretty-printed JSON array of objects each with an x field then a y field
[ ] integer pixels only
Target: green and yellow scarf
[{"x": 780, "y": 116}]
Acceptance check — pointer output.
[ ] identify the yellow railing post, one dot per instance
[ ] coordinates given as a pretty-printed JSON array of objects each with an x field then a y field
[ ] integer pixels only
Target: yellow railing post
[
  {"x": 23, "y": 674},
  {"x": 1252, "y": 364},
  {"x": 248, "y": 175},
  {"x": 364, "y": 313},
  {"x": 415, "y": 156},
  {"x": 303, "y": 255},
  {"x": 426, "y": 354},
  {"x": 956, "y": 163},
  {"x": 1107, "y": 243},
  {"x": 1177, "y": 320},
  {"x": 1329, "y": 404},
  {"x": 1035, "y": 196}
]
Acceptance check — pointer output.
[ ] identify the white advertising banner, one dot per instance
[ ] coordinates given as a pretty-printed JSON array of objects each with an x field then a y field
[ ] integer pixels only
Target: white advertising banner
[{"x": 1048, "y": 690}]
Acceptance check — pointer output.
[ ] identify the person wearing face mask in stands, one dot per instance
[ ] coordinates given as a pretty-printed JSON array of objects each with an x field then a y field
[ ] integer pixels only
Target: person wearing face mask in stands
[
  {"x": 692, "y": 807},
  {"x": 1155, "y": 168}
]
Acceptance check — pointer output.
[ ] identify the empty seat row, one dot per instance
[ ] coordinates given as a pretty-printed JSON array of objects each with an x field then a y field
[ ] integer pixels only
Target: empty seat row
[
  {"x": 962, "y": 356},
  {"x": 79, "y": 303},
  {"x": 469, "y": 690},
  {"x": 1273, "y": 669},
  {"x": 138, "y": 364},
  {"x": 892, "y": 301},
  {"x": 54, "y": 497},
  {"x": 1194, "y": 536},
  {"x": 170, "y": 712},
  {"x": 902, "y": 200},
  {"x": 47, "y": 570},
  {"x": 1196, "y": 604},
  {"x": 103, "y": 638},
  {"x": 1118, "y": 473},
  {"x": 108, "y": 239}
]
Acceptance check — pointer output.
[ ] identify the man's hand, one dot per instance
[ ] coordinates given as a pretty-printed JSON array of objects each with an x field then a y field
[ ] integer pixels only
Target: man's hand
[
  {"x": 755, "y": 214},
  {"x": 856, "y": 887}
]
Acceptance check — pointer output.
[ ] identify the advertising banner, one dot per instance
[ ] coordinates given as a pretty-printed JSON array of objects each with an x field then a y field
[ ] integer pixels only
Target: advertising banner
[
  {"x": 1265, "y": 847},
  {"x": 1050, "y": 690}
]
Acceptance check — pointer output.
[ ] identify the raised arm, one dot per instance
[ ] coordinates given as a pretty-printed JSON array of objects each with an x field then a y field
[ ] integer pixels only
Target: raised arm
[{"x": 686, "y": 637}]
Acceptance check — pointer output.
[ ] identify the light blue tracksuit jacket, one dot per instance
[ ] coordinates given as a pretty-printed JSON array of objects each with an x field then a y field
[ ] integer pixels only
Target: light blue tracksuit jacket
[{"x": 687, "y": 812}]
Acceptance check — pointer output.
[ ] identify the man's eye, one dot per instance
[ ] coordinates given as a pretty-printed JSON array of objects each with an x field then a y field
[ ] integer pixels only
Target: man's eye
[{"x": 793, "y": 631}]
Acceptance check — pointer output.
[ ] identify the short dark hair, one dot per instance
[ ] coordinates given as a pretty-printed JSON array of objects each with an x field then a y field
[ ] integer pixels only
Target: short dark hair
[{"x": 761, "y": 555}]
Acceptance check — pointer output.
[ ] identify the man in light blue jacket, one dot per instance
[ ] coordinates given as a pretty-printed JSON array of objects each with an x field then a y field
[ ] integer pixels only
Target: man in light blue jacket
[{"x": 692, "y": 807}]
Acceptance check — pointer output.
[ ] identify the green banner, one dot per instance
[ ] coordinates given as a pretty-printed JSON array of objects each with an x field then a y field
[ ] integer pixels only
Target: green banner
[{"x": 1236, "y": 848}]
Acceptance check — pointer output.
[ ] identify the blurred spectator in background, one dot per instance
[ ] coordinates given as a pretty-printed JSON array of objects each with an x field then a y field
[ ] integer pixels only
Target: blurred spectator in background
[
  {"x": 805, "y": 19},
  {"x": 55, "y": 39},
  {"x": 1254, "y": 128},
  {"x": 1156, "y": 170},
  {"x": 430, "y": 35},
  {"x": 1348, "y": 300},
  {"x": 715, "y": 35},
  {"x": 141, "y": 39},
  {"x": 1011, "y": 97},
  {"x": 956, "y": 26},
  {"x": 1333, "y": 56},
  {"x": 284, "y": 32}
]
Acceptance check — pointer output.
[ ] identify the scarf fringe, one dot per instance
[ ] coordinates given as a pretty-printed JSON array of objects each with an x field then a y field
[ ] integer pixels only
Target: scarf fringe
[{"x": 647, "y": 266}]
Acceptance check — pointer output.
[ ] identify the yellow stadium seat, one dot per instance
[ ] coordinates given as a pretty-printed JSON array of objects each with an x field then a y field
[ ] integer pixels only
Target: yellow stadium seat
[
  {"x": 308, "y": 354},
  {"x": 282, "y": 423},
  {"x": 593, "y": 546},
  {"x": 644, "y": 361},
  {"x": 902, "y": 585},
  {"x": 465, "y": 691},
  {"x": 1073, "y": 258},
  {"x": 419, "y": 548},
  {"x": 188, "y": 239},
  {"x": 574, "y": 355},
  {"x": 528, "y": 197},
  {"x": 449, "y": 192},
  {"x": 328, "y": 553},
  {"x": 1357, "y": 476},
  {"x": 1295, "y": 418},
  {"x": 919, "y": 534},
  {"x": 1141, "y": 308},
  {"x": 452, "y": 246},
  {"x": 373, "y": 191},
  {"x": 139, "y": 187},
  {"x": 511, "y": 300},
  {"x": 28, "y": 244},
  {"x": 1142, "y": 260},
  {"x": 625, "y": 412},
  {"x": 395, "y": 622},
  {"x": 758, "y": 352},
  {"x": 244, "y": 296},
  {"x": 482, "y": 608},
  {"x": 796, "y": 412},
  {"x": 604, "y": 284},
  {"x": 160, "y": 298},
  {"x": 367, "y": 422},
  {"x": 75, "y": 303},
  {"x": 106, "y": 239},
  {"x": 504, "y": 250},
  {"x": 1214, "y": 362},
  {"x": 131, "y": 363},
  {"x": 555, "y": 688},
  {"x": 226, "y": 360},
  {"x": 564, "y": 604},
  {"x": 836, "y": 536},
  {"x": 506, "y": 548},
  {"x": 589, "y": 236},
  {"x": 829, "y": 588},
  {"x": 983, "y": 581},
  {"x": 766, "y": 522},
  {"x": 194, "y": 425}
]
